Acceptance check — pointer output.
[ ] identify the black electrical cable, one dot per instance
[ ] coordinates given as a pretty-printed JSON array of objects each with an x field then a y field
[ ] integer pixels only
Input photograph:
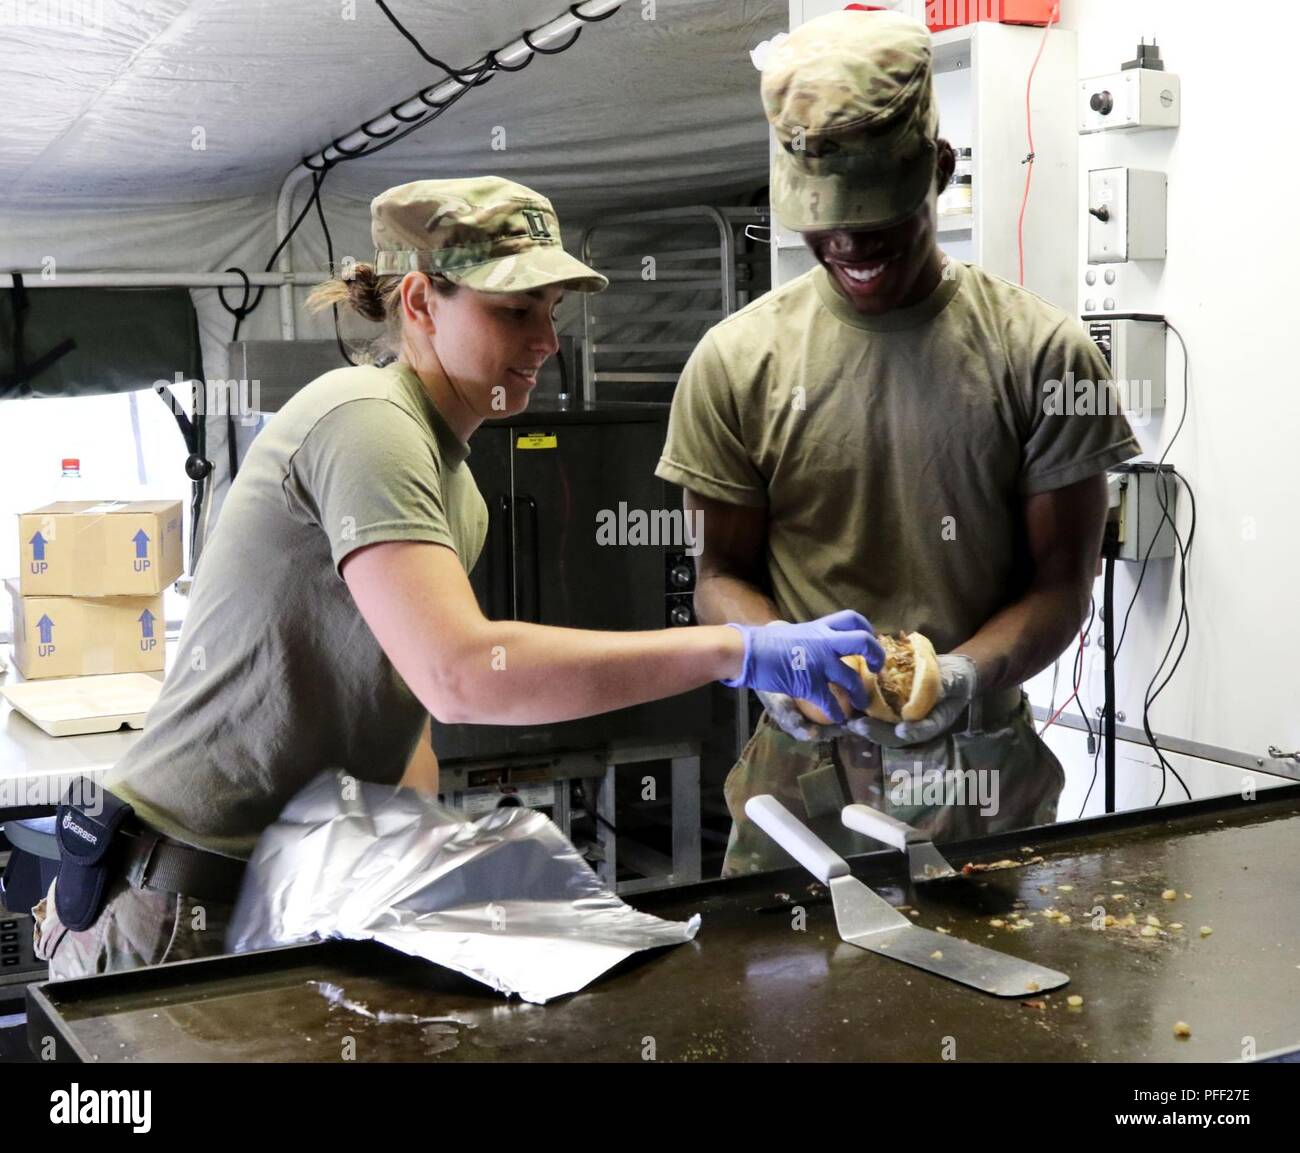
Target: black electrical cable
[
  {"x": 459, "y": 77},
  {"x": 317, "y": 180},
  {"x": 390, "y": 136},
  {"x": 245, "y": 308},
  {"x": 569, "y": 43},
  {"x": 1137, "y": 587},
  {"x": 1183, "y": 621},
  {"x": 471, "y": 77},
  {"x": 1165, "y": 511},
  {"x": 573, "y": 11},
  {"x": 232, "y": 455},
  {"x": 438, "y": 110},
  {"x": 1078, "y": 667},
  {"x": 1094, "y": 742},
  {"x": 1096, "y": 756}
]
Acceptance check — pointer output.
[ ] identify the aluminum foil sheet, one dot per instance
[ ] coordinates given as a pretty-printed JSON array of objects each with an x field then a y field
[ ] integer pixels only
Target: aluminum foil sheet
[{"x": 505, "y": 899}]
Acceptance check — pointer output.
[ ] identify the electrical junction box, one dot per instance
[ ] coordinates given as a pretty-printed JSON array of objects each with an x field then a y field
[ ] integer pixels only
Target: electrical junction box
[
  {"x": 1133, "y": 345},
  {"x": 1126, "y": 215},
  {"x": 1144, "y": 493},
  {"x": 1135, "y": 100}
]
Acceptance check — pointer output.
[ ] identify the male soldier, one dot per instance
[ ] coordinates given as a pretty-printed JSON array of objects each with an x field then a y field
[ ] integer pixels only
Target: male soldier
[{"x": 874, "y": 435}]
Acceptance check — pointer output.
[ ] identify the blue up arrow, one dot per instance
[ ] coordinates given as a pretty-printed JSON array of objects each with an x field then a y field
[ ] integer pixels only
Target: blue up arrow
[
  {"x": 47, "y": 629},
  {"x": 146, "y": 619},
  {"x": 141, "y": 543},
  {"x": 38, "y": 547}
]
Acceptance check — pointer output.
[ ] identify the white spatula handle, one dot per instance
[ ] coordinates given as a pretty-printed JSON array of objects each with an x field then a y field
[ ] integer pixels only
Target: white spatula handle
[
  {"x": 874, "y": 823},
  {"x": 795, "y": 838}
]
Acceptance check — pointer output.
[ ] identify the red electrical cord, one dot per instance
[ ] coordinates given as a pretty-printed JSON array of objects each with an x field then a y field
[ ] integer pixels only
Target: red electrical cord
[{"x": 1029, "y": 127}]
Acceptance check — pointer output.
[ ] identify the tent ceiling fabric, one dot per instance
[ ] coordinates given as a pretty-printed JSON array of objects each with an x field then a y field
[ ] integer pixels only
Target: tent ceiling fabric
[{"x": 639, "y": 113}]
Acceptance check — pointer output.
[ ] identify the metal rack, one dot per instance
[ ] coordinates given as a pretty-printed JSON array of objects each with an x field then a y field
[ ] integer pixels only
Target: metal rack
[{"x": 638, "y": 334}]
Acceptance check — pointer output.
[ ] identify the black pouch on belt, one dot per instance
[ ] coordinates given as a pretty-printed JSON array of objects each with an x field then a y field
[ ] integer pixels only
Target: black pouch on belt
[{"x": 90, "y": 850}]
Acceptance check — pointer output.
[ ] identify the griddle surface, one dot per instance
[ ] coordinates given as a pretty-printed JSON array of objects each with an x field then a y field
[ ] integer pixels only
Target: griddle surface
[{"x": 753, "y": 987}]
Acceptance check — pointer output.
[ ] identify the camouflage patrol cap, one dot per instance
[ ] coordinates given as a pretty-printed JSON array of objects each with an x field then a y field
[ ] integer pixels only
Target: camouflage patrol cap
[
  {"x": 850, "y": 97},
  {"x": 486, "y": 233}
]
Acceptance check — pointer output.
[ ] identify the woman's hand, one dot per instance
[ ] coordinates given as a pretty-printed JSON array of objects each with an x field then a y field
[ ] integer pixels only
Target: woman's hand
[{"x": 802, "y": 661}]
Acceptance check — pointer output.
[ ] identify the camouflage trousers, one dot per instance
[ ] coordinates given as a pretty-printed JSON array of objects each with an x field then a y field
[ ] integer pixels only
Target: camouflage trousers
[
  {"x": 135, "y": 927},
  {"x": 964, "y": 784}
]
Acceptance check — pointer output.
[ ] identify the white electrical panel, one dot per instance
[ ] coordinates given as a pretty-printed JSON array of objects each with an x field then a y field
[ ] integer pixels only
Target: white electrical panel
[
  {"x": 1126, "y": 220},
  {"x": 1148, "y": 510},
  {"x": 1136, "y": 100},
  {"x": 1134, "y": 347}
]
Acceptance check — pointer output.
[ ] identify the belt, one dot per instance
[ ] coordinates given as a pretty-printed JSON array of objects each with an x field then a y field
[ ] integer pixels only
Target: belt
[
  {"x": 989, "y": 710},
  {"x": 152, "y": 861}
]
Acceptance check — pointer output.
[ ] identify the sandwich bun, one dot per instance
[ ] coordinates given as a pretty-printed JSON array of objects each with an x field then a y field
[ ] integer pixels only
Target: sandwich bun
[{"x": 906, "y": 689}]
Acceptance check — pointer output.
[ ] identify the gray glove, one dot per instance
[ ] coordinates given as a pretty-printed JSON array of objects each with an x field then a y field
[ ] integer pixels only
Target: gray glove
[
  {"x": 957, "y": 690},
  {"x": 877, "y": 732},
  {"x": 786, "y": 716}
]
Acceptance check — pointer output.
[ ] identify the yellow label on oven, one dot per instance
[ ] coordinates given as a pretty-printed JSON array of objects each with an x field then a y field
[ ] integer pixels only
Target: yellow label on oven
[{"x": 537, "y": 440}]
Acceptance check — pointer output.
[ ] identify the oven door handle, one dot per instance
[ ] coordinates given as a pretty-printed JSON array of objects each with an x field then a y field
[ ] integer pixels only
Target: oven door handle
[
  {"x": 528, "y": 560},
  {"x": 501, "y": 568}
]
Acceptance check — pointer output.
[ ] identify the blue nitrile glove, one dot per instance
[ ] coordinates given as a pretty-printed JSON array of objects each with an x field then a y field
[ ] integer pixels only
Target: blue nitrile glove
[
  {"x": 783, "y": 711},
  {"x": 799, "y": 660},
  {"x": 958, "y": 687}
]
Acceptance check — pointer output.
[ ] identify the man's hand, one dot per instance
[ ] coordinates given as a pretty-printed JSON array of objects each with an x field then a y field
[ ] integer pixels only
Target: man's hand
[
  {"x": 785, "y": 714},
  {"x": 877, "y": 732},
  {"x": 957, "y": 691}
]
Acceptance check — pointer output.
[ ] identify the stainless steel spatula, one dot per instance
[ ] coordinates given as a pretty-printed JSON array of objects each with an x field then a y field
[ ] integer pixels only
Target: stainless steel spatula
[
  {"x": 870, "y": 922},
  {"x": 924, "y": 861}
]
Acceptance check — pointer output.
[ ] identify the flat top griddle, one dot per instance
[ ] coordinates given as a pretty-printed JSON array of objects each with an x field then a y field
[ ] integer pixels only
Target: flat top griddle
[{"x": 754, "y": 987}]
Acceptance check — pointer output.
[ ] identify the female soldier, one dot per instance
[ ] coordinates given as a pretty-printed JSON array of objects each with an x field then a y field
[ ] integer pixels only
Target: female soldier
[{"x": 332, "y": 611}]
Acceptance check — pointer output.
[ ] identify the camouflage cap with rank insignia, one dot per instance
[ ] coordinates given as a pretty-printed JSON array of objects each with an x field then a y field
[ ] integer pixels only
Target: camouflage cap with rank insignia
[
  {"x": 850, "y": 97},
  {"x": 486, "y": 233}
]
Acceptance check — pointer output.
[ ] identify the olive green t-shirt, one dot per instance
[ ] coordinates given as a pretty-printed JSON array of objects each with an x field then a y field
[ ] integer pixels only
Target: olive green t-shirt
[
  {"x": 893, "y": 453},
  {"x": 277, "y": 676}
]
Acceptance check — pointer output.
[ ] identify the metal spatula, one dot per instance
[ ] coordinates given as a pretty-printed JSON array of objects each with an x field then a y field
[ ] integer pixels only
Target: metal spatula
[
  {"x": 871, "y": 923},
  {"x": 924, "y": 861}
]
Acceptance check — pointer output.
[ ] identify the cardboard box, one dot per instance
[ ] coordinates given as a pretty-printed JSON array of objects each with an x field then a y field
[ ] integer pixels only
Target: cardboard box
[
  {"x": 85, "y": 636},
  {"x": 111, "y": 548}
]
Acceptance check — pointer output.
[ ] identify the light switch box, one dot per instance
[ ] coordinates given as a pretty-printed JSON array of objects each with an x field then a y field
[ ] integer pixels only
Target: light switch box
[{"x": 1126, "y": 215}]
